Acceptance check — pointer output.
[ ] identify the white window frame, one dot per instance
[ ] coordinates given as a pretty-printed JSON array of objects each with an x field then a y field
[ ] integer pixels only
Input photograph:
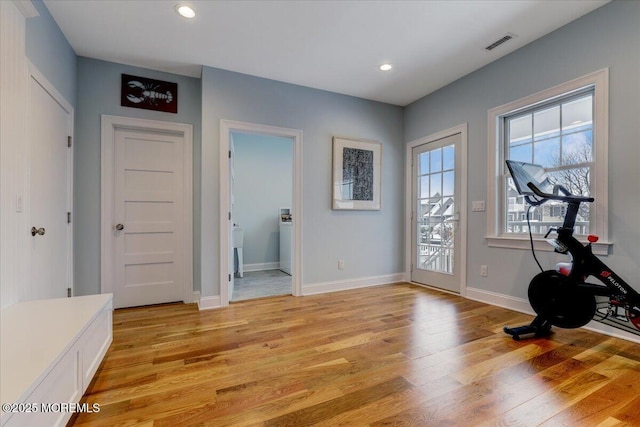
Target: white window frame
[{"x": 496, "y": 237}]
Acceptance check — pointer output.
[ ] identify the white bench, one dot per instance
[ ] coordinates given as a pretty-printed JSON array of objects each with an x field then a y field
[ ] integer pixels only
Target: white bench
[{"x": 49, "y": 352}]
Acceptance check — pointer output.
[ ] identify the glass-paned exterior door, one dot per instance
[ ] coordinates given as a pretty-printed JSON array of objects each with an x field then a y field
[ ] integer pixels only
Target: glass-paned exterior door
[{"x": 436, "y": 188}]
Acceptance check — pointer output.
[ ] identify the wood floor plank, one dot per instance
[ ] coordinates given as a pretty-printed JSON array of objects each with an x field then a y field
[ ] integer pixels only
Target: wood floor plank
[
  {"x": 321, "y": 412},
  {"x": 382, "y": 408},
  {"x": 544, "y": 406},
  {"x": 395, "y": 355},
  {"x": 630, "y": 413},
  {"x": 593, "y": 410}
]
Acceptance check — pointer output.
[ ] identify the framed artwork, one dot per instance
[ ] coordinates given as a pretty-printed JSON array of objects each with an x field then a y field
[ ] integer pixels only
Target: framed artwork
[
  {"x": 141, "y": 92},
  {"x": 357, "y": 176}
]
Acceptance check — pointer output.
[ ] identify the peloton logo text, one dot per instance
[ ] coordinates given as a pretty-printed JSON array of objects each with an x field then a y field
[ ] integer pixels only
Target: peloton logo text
[{"x": 607, "y": 275}]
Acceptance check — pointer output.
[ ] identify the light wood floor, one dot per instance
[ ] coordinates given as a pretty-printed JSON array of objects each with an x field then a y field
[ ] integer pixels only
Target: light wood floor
[{"x": 396, "y": 355}]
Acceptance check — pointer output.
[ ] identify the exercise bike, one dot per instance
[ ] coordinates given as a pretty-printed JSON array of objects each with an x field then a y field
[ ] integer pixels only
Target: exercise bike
[{"x": 562, "y": 297}]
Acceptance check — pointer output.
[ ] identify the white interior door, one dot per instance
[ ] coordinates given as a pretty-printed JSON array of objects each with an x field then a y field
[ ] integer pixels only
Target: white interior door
[
  {"x": 49, "y": 194},
  {"x": 436, "y": 213},
  {"x": 147, "y": 231}
]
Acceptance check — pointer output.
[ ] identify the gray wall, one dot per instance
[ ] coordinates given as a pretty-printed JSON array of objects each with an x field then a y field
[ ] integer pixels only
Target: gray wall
[
  {"x": 263, "y": 183},
  {"x": 98, "y": 88},
  {"x": 371, "y": 243},
  {"x": 608, "y": 37},
  {"x": 48, "y": 49}
]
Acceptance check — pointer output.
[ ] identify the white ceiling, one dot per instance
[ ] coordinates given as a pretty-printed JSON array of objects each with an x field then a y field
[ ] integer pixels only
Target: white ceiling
[{"x": 331, "y": 45}]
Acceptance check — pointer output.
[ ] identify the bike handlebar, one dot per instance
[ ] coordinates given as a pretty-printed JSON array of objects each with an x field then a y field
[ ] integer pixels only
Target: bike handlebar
[{"x": 568, "y": 197}]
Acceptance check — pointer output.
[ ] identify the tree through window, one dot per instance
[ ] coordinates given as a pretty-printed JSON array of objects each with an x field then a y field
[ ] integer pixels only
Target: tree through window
[{"x": 557, "y": 135}]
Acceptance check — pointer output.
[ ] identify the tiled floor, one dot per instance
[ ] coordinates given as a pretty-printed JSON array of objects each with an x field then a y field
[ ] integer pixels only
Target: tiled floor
[{"x": 258, "y": 284}]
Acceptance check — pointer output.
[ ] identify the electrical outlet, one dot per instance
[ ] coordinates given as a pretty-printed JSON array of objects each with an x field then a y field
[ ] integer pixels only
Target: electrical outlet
[
  {"x": 340, "y": 264},
  {"x": 484, "y": 271}
]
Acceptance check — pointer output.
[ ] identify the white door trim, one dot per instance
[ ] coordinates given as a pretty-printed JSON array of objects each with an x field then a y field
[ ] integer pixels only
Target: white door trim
[
  {"x": 226, "y": 127},
  {"x": 109, "y": 126},
  {"x": 462, "y": 130},
  {"x": 40, "y": 79}
]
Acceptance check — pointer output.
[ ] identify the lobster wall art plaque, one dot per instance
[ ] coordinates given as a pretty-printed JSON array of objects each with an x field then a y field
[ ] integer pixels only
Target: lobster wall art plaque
[{"x": 140, "y": 92}]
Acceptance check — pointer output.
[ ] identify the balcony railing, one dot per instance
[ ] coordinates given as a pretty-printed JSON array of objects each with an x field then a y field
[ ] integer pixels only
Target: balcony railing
[
  {"x": 436, "y": 257},
  {"x": 537, "y": 227}
]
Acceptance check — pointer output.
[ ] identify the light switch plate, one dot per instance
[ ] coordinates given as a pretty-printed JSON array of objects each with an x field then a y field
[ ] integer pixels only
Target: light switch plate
[{"x": 477, "y": 206}]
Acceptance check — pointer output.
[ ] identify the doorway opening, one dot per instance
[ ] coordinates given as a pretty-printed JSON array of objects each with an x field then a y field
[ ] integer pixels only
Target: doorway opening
[
  {"x": 261, "y": 186},
  {"x": 256, "y": 240}
]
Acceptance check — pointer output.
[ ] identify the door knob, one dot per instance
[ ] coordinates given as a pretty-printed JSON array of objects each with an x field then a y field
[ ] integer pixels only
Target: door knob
[
  {"x": 38, "y": 231},
  {"x": 119, "y": 227}
]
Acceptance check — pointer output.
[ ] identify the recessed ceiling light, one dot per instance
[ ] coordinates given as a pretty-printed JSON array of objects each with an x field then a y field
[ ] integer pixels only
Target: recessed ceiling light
[
  {"x": 185, "y": 11},
  {"x": 386, "y": 67}
]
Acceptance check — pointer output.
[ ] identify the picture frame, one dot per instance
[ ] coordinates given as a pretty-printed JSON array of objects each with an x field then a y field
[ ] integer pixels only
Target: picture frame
[
  {"x": 149, "y": 94},
  {"x": 357, "y": 174}
]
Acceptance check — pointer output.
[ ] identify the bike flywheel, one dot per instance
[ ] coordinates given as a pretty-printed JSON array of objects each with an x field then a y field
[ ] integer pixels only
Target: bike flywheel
[{"x": 560, "y": 301}]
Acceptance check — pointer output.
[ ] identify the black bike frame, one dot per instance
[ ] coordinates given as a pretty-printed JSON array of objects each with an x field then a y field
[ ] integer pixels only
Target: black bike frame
[{"x": 585, "y": 264}]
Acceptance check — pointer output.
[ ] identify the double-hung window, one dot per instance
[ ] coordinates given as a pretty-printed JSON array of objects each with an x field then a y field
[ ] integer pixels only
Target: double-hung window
[
  {"x": 557, "y": 135},
  {"x": 565, "y": 130}
]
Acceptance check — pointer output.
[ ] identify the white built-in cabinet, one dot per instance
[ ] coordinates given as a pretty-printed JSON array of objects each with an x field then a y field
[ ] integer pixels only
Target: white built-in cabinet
[{"x": 49, "y": 353}]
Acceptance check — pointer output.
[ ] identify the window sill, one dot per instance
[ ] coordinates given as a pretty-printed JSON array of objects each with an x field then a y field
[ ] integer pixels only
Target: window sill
[{"x": 599, "y": 248}]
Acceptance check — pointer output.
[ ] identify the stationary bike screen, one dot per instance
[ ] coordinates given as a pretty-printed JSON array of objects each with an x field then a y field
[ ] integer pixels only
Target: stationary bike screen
[{"x": 523, "y": 173}]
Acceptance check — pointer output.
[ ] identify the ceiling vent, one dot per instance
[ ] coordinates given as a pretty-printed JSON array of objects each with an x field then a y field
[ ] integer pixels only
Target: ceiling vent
[{"x": 500, "y": 41}]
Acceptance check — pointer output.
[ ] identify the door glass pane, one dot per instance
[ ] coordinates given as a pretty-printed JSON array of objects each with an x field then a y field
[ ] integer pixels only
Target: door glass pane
[
  {"x": 436, "y": 210},
  {"x": 448, "y": 157},
  {"x": 425, "y": 208},
  {"x": 436, "y": 160},
  {"x": 449, "y": 209},
  {"x": 424, "y": 163},
  {"x": 424, "y": 186},
  {"x": 448, "y": 181},
  {"x": 435, "y": 189}
]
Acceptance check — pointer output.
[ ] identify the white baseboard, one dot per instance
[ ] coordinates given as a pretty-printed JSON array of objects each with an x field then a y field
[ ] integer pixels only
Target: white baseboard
[
  {"x": 523, "y": 306},
  {"x": 262, "y": 266},
  {"x": 195, "y": 297},
  {"x": 611, "y": 331},
  {"x": 488, "y": 297},
  {"x": 500, "y": 300},
  {"x": 208, "y": 303},
  {"x": 343, "y": 285}
]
